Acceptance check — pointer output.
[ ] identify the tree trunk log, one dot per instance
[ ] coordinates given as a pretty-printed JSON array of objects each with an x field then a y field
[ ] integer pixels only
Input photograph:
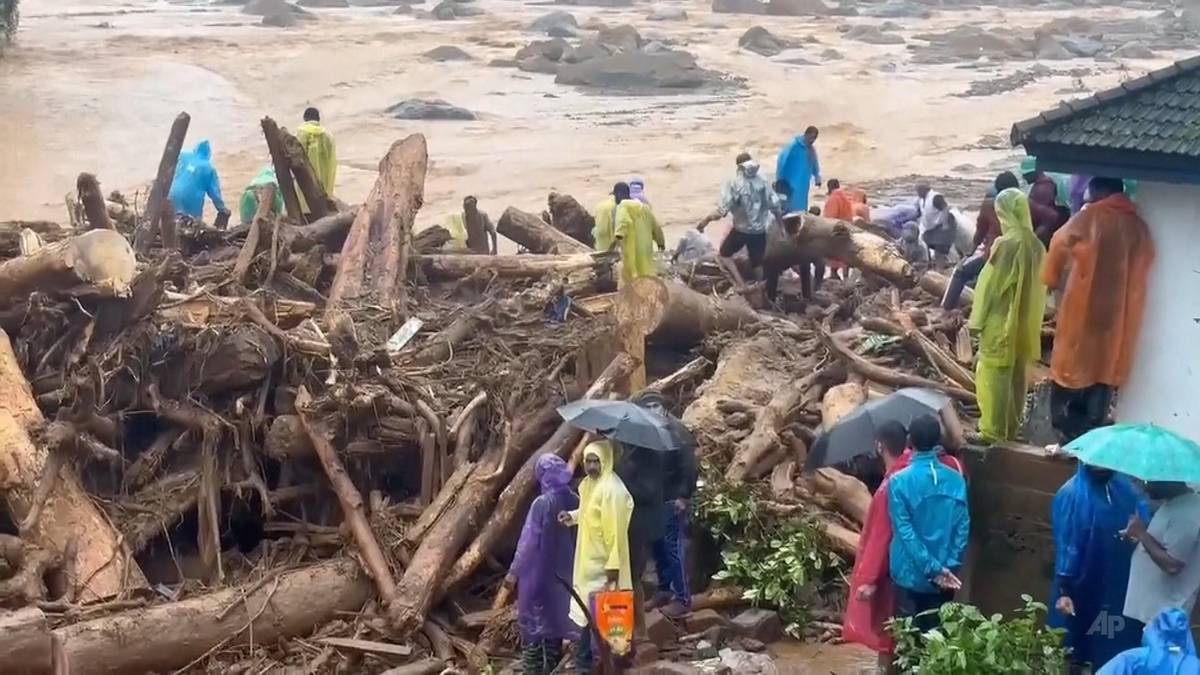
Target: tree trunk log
[
  {"x": 519, "y": 493},
  {"x": 27, "y": 643},
  {"x": 266, "y": 197},
  {"x": 935, "y": 283},
  {"x": 286, "y": 439},
  {"x": 329, "y": 231},
  {"x": 10, "y": 234},
  {"x": 318, "y": 203},
  {"x": 283, "y": 169},
  {"x": 824, "y": 238},
  {"x": 920, "y": 344},
  {"x": 845, "y": 493},
  {"x": 888, "y": 376},
  {"x": 772, "y": 419},
  {"x": 69, "y": 520},
  {"x": 169, "y": 636},
  {"x": 467, "y": 324},
  {"x": 447, "y": 267},
  {"x": 568, "y": 215},
  {"x": 98, "y": 263},
  {"x": 690, "y": 372},
  {"x": 374, "y": 259},
  {"x": 156, "y": 204},
  {"x": 535, "y": 234},
  {"x": 669, "y": 313},
  {"x": 840, "y": 401},
  {"x": 92, "y": 199}
]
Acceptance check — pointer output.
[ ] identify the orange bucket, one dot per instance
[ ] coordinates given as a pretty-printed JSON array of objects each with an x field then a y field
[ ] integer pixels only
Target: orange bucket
[{"x": 614, "y": 619}]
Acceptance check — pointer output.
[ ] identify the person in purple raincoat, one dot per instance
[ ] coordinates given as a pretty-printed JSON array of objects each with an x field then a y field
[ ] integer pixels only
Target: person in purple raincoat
[{"x": 545, "y": 553}]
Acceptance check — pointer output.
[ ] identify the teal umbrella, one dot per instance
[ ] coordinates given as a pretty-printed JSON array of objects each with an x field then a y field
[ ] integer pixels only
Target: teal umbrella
[{"x": 1140, "y": 450}]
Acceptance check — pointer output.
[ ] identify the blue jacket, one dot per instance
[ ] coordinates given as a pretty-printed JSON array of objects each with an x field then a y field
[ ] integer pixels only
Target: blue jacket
[
  {"x": 1167, "y": 649},
  {"x": 799, "y": 166},
  {"x": 195, "y": 177},
  {"x": 927, "y": 503}
]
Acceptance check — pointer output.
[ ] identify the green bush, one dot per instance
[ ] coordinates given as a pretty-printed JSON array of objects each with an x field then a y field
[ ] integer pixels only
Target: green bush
[
  {"x": 778, "y": 562},
  {"x": 969, "y": 643}
]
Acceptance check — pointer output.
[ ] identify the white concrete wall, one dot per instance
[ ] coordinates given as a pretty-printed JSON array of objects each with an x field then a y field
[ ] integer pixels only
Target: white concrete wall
[{"x": 1164, "y": 387}]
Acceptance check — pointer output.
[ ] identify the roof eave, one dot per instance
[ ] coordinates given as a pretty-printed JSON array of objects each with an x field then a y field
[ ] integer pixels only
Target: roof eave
[{"x": 1099, "y": 161}]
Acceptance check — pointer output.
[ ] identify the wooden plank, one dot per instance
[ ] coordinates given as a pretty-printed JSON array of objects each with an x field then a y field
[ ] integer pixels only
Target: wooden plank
[{"x": 368, "y": 646}]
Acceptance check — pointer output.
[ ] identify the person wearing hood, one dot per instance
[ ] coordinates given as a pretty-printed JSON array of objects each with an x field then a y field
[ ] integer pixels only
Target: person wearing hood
[
  {"x": 1091, "y": 564},
  {"x": 196, "y": 178},
  {"x": 754, "y": 206},
  {"x": 248, "y": 205},
  {"x": 637, "y": 233},
  {"x": 545, "y": 553},
  {"x": 318, "y": 145},
  {"x": 637, "y": 190},
  {"x": 602, "y": 540},
  {"x": 1167, "y": 649},
  {"x": 1100, "y": 260},
  {"x": 1043, "y": 191},
  {"x": 799, "y": 165},
  {"x": 1007, "y": 315},
  {"x": 927, "y": 506}
]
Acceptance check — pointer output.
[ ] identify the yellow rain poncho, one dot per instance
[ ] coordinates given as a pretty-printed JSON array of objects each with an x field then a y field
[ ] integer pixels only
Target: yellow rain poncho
[
  {"x": 318, "y": 145},
  {"x": 1009, "y": 304},
  {"x": 606, "y": 222},
  {"x": 602, "y": 543},
  {"x": 639, "y": 231}
]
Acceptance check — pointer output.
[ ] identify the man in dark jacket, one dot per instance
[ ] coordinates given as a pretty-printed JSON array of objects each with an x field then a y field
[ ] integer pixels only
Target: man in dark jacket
[{"x": 679, "y": 483}]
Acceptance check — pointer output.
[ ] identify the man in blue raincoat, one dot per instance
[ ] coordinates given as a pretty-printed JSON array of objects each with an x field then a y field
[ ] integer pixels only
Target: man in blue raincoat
[
  {"x": 1091, "y": 564},
  {"x": 1167, "y": 649},
  {"x": 799, "y": 166},
  {"x": 195, "y": 177},
  {"x": 927, "y": 503}
]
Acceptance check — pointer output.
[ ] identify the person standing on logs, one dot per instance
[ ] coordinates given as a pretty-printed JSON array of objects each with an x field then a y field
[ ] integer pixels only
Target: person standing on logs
[
  {"x": 545, "y": 552},
  {"x": 318, "y": 145},
  {"x": 674, "y": 599},
  {"x": 1100, "y": 260},
  {"x": 987, "y": 229},
  {"x": 636, "y": 233},
  {"x": 799, "y": 166},
  {"x": 602, "y": 542},
  {"x": 479, "y": 227},
  {"x": 754, "y": 206},
  {"x": 195, "y": 179}
]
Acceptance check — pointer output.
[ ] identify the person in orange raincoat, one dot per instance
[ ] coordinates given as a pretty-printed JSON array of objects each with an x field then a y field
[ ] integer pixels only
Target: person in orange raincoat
[
  {"x": 1100, "y": 260},
  {"x": 844, "y": 204},
  {"x": 872, "y": 601}
]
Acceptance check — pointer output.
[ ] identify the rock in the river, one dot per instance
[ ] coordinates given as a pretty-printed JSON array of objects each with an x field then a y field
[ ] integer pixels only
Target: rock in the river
[
  {"x": 624, "y": 38},
  {"x": 761, "y": 624},
  {"x": 381, "y": 3},
  {"x": 448, "y": 10},
  {"x": 558, "y": 24},
  {"x": 661, "y": 13},
  {"x": 761, "y": 41},
  {"x": 1134, "y": 50},
  {"x": 271, "y": 7},
  {"x": 428, "y": 109},
  {"x": 323, "y": 3},
  {"x": 1082, "y": 46},
  {"x": 797, "y": 8},
  {"x": 832, "y": 54},
  {"x": 551, "y": 50},
  {"x": 586, "y": 51},
  {"x": 1050, "y": 49},
  {"x": 634, "y": 72},
  {"x": 447, "y": 53},
  {"x": 404, "y": 9},
  {"x": 538, "y": 64},
  {"x": 739, "y": 7},
  {"x": 897, "y": 9},
  {"x": 873, "y": 35}
]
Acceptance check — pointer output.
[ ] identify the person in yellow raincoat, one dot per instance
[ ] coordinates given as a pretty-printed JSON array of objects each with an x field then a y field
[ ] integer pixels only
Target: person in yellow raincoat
[
  {"x": 605, "y": 228},
  {"x": 602, "y": 542},
  {"x": 1010, "y": 300},
  {"x": 637, "y": 232},
  {"x": 318, "y": 145}
]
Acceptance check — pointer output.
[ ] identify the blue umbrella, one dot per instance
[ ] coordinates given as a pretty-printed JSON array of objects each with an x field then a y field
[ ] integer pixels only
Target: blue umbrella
[
  {"x": 621, "y": 421},
  {"x": 1140, "y": 450}
]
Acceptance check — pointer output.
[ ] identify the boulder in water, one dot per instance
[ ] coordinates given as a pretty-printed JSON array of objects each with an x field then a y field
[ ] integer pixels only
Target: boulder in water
[
  {"x": 449, "y": 10},
  {"x": 404, "y": 9},
  {"x": 797, "y": 8},
  {"x": 538, "y": 64},
  {"x": 428, "y": 109},
  {"x": 326, "y": 4},
  {"x": 272, "y": 7},
  {"x": 1082, "y": 46},
  {"x": 897, "y": 9},
  {"x": 637, "y": 72},
  {"x": 381, "y": 3},
  {"x": 873, "y": 35},
  {"x": 1050, "y": 49},
  {"x": 762, "y": 42},
  {"x": 739, "y": 7},
  {"x": 280, "y": 20},
  {"x": 447, "y": 53},
  {"x": 661, "y": 13},
  {"x": 832, "y": 54},
  {"x": 558, "y": 24},
  {"x": 551, "y": 50},
  {"x": 586, "y": 51},
  {"x": 624, "y": 38},
  {"x": 1134, "y": 50}
]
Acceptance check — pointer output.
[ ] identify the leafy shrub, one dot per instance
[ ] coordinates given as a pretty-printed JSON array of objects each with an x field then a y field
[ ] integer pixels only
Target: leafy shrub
[
  {"x": 778, "y": 561},
  {"x": 969, "y": 643}
]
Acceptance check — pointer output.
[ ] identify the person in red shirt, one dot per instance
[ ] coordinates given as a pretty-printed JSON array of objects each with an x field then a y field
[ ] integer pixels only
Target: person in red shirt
[
  {"x": 1043, "y": 204},
  {"x": 872, "y": 600}
]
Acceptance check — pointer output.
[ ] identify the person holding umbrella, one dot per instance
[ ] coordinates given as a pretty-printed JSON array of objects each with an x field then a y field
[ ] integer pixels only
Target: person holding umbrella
[{"x": 927, "y": 505}]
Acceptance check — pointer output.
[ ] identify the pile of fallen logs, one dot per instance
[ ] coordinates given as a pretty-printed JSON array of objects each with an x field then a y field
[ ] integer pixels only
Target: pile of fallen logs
[{"x": 310, "y": 438}]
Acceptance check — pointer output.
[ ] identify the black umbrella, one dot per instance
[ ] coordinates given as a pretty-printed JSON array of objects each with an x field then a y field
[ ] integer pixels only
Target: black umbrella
[
  {"x": 855, "y": 433},
  {"x": 621, "y": 421}
]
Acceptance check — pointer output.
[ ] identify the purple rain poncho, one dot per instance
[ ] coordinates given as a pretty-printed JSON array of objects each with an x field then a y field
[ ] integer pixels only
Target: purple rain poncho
[{"x": 546, "y": 550}]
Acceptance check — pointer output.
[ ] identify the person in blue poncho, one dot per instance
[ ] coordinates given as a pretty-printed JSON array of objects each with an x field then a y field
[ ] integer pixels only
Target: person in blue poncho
[
  {"x": 195, "y": 178},
  {"x": 799, "y": 166},
  {"x": 1091, "y": 564},
  {"x": 1167, "y": 649}
]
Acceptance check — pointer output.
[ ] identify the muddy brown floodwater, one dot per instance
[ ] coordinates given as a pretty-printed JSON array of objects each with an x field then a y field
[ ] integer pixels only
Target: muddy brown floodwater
[
  {"x": 802, "y": 658},
  {"x": 94, "y": 84}
]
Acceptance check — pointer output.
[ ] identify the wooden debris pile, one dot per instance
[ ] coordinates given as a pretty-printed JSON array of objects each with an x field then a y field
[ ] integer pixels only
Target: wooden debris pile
[{"x": 310, "y": 439}]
